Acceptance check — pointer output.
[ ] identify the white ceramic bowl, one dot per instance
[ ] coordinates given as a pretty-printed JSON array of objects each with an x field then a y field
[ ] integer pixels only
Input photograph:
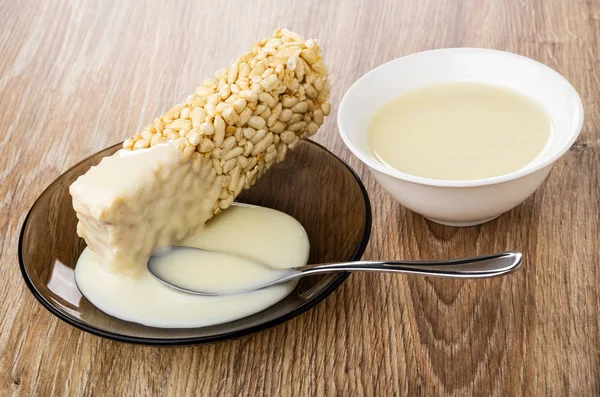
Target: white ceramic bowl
[{"x": 471, "y": 202}]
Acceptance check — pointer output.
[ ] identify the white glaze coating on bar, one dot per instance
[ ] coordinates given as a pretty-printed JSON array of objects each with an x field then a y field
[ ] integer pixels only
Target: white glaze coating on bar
[{"x": 135, "y": 202}]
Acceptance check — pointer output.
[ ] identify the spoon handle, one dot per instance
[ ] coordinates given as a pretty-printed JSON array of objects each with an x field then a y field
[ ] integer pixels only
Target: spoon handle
[{"x": 475, "y": 267}]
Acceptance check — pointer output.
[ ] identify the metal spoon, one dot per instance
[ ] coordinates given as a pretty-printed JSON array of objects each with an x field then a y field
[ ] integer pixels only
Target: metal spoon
[{"x": 475, "y": 267}]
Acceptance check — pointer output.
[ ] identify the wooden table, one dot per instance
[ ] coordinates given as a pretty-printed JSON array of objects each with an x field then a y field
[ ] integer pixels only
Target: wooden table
[{"x": 77, "y": 76}]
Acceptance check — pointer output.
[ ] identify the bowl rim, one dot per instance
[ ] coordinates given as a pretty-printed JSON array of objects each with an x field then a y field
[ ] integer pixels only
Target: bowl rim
[
  {"x": 528, "y": 169},
  {"x": 341, "y": 277}
]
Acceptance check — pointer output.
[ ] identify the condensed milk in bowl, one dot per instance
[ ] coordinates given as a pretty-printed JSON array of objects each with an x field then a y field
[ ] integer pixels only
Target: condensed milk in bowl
[{"x": 460, "y": 135}]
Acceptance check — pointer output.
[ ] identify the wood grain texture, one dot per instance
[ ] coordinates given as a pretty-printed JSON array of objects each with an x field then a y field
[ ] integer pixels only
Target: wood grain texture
[{"x": 77, "y": 76}]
